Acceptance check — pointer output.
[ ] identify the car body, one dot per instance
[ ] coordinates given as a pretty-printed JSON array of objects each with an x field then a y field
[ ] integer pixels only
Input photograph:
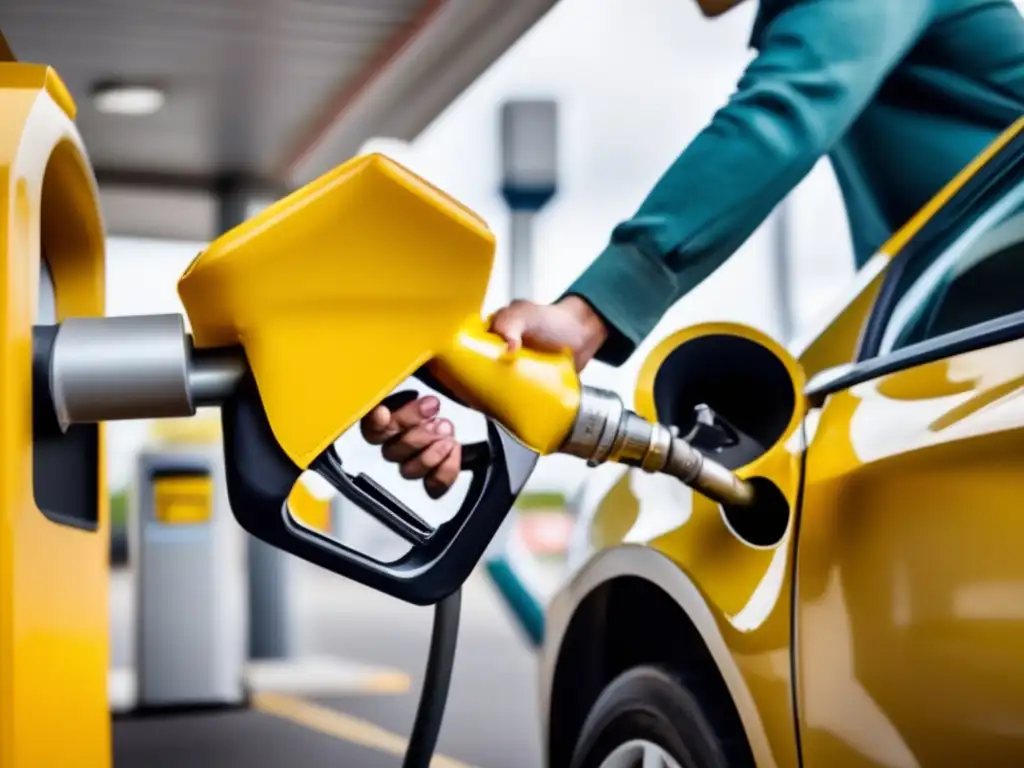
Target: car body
[{"x": 872, "y": 612}]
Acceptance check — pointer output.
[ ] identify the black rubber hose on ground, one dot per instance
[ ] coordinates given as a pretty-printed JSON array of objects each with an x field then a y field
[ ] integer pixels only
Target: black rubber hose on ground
[{"x": 436, "y": 682}]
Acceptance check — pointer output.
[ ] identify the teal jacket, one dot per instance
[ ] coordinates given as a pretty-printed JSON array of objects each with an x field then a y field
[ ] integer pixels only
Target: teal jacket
[{"x": 899, "y": 94}]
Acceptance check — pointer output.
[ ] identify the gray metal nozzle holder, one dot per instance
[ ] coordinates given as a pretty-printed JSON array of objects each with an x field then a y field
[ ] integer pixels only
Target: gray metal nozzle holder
[{"x": 136, "y": 367}]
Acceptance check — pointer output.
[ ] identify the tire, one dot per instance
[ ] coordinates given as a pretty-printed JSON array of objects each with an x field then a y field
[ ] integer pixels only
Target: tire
[{"x": 643, "y": 707}]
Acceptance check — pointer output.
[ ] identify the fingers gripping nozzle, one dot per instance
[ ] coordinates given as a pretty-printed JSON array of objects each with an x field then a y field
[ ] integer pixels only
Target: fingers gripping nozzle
[{"x": 605, "y": 430}]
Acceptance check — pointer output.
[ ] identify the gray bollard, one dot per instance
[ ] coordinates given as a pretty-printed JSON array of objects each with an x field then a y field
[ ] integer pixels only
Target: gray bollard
[{"x": 189, "y": 585}]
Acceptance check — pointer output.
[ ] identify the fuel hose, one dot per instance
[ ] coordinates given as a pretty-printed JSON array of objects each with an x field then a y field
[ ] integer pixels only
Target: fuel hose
[{"x": 436, "y": 682}]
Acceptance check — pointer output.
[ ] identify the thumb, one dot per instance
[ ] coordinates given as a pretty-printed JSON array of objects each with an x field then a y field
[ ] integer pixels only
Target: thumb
[{"x": 374, "y": 425}]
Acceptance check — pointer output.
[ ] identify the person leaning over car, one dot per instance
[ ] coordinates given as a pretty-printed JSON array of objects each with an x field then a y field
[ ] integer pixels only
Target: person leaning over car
[{"x": 900, "y": 95}]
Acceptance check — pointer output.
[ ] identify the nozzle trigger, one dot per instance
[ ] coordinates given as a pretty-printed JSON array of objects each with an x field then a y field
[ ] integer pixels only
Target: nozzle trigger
[{"x": 260, "y": 477}]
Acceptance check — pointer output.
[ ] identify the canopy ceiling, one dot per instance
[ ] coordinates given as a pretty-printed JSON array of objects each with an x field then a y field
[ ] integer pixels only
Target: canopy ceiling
[{"x": 261, "y": 95}]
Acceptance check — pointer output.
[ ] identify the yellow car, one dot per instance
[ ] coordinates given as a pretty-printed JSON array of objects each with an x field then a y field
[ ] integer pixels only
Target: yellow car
[{"x": 870, "y": 610}]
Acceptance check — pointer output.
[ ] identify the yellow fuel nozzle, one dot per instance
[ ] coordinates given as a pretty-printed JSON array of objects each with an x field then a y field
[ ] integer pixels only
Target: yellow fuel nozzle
[{"x": 368, "y": 275}]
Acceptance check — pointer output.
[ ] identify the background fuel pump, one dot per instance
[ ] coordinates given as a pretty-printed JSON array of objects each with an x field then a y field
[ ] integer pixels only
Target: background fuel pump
[{"x": 303, "y": 319}]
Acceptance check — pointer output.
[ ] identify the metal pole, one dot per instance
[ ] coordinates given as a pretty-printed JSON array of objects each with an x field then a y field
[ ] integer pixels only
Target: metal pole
[
  {"x": 271, "y": 620},
  {"x": 521, "y": 254},
  {"x": 529, "y": 179},
  {"x": 783, "y": 288}
]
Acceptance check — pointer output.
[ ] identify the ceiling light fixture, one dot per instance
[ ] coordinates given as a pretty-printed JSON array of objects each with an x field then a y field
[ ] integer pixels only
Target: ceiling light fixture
[{"x": 127, "y": 98}]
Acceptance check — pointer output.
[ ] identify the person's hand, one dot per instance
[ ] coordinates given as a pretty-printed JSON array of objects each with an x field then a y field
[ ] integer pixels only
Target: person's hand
[
  {"x": 424, "y": 445},
  {"x": 570, "y": 324},
  {"x": 413, "y": 436}
]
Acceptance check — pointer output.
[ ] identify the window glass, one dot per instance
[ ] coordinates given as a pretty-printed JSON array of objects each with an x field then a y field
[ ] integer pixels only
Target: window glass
[{"x": 979, "y": 277}]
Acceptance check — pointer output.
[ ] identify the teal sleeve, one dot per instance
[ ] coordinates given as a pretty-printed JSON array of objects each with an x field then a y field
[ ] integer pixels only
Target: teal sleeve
[{"x": 820, "y": 62}]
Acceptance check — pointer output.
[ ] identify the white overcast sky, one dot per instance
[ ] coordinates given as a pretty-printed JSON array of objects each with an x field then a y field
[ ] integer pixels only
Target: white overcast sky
[{"x": 635, "y": 81}]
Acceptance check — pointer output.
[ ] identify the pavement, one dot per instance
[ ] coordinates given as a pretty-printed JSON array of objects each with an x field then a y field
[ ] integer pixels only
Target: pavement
[{"x": 491, "y": 720}]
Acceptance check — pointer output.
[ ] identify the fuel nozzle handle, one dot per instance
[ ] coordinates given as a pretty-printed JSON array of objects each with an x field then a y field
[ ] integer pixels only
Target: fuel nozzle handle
[
  {"x": 605, "y": 430},
  {"x": 539, "y": 398}
]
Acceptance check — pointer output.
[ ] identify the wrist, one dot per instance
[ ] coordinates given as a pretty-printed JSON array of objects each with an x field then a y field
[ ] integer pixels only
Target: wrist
[
  {"x": 593, "y": 331},
  {"x": 589, "y": 321}
]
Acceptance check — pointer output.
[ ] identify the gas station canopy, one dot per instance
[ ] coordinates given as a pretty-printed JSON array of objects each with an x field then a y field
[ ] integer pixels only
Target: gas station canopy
[{"x": 251, "y": 97}]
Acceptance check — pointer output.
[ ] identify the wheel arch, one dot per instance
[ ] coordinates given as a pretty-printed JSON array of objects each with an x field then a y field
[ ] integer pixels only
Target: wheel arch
[{"x": 613, "y": 615}]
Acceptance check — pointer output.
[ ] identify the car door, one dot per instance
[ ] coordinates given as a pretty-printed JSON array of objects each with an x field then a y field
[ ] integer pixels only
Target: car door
[{"x": 910, "y": 557}]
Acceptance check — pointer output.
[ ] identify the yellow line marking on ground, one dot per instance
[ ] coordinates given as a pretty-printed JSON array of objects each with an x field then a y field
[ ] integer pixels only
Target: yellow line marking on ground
[
  {"x": 341, "y": 726},
  {"x": 313, "y": 677},
  {"x": 388, "y": 682}
]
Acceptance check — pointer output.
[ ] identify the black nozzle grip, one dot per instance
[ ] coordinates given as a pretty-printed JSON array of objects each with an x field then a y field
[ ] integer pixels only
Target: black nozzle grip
[{"x": 260, "y": 477}]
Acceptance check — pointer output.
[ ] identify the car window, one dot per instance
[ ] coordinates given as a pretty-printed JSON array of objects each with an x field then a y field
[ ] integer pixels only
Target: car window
[{"x": 977, "y": 278}]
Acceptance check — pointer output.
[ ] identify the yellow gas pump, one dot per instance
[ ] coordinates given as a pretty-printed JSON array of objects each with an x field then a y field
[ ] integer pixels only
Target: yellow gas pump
[{"x": 53, "y": 512}]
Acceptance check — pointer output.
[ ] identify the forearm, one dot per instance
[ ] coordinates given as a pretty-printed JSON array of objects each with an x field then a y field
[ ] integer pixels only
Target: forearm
[
  {"x": 700, "y": 212},
  {"x": 819, "y": 64}
]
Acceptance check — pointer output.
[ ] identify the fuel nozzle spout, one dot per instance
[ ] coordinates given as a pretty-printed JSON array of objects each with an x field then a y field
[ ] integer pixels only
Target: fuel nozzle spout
[{"x": 605, "y": 430}]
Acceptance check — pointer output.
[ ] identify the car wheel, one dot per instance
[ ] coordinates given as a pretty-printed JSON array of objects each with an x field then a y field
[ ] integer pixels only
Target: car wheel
[{"x": 648, "y": 718}]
